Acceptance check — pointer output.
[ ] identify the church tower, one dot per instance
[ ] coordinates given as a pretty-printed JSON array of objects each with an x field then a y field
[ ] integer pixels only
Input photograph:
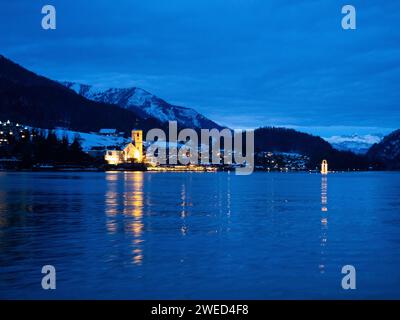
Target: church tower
[{"x": 137, "y": 141}]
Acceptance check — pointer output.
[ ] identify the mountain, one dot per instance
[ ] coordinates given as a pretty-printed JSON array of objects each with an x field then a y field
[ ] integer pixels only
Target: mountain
[
  {"x": 292, "y": 141},
  {"x": 387, "y": 152},
  {"x": 358, "y": 144},
  {"x": 145, "y": 104},
  {"x": 34, "y": 100}
]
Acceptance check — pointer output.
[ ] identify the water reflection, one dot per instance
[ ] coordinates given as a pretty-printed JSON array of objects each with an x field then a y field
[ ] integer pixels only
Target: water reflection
[
  {"x": 129, "y": 201},
  {"x": 115, "y": 235},
  {"x": 133, "y": 207},
  {"x": 111, "y": 202},
  {"x": 186, "y": 203},
  {"x": 3, "y": 206},
  {"x": 184, "y": 228},
  {"x": 228, "y": 196},
  {"x": 324, "y": 222},
  {"x": 183, "y": 201}
]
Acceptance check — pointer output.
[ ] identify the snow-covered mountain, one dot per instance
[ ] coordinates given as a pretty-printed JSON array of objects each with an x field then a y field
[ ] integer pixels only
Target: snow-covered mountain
[
  {"x": 37, "y": 101},
  {"x": 145, "y": 104},
  {"x": 359, "y": 144}
]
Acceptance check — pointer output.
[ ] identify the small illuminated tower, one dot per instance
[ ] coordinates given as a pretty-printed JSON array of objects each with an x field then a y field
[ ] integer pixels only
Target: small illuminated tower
[
  {"x": 324, "y": 167},
  {"x": 137, "y": 141}
]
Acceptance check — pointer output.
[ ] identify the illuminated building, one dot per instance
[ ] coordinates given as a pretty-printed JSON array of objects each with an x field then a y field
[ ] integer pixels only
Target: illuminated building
[
  {"x": 324, "y": 167},
  {"x": 133, "y": 152},
  {"x": 10, "y": 131},
  {"x": 114, "y": 157}
]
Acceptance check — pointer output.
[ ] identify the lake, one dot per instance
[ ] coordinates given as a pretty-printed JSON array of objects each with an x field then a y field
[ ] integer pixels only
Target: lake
[{"x": 141, "y": 235}]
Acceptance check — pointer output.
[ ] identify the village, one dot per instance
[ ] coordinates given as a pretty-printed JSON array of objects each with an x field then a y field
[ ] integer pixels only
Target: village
[{"x": 110, "y": 149}]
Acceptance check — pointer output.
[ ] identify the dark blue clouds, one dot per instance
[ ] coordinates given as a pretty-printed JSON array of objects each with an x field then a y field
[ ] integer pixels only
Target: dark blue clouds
[{"x": 244, "y": 63}]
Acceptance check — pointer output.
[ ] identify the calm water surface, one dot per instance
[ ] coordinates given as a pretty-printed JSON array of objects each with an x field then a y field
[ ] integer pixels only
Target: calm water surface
[{"x": 199, "y": 235}]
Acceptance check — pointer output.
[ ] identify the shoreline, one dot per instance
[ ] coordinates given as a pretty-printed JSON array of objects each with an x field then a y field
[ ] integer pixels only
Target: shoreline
[{"x": 182, "y": 170}]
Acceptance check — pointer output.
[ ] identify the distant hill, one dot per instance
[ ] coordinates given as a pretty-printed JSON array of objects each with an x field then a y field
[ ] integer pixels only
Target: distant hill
[
  {"x": 145, "y": 104},
  {"x": 40, "y": 102},
  {"x": 387, "y": 152},
  {"x": 289, "y": 140}
]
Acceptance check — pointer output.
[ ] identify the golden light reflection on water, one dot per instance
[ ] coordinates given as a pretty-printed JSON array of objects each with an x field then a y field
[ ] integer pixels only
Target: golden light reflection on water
[
  {"x": 130, "y": 200},
  {"x": 133, "y": 209},
  {"x": 111, "y": 201},
  {"x": 324, "y": 222}
]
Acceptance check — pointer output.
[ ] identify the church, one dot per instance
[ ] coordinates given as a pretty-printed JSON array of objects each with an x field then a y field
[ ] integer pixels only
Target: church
[{"x": 133, "y": 152}]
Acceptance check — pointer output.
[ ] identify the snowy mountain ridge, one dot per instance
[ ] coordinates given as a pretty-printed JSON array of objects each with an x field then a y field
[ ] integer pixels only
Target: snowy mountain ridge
[
  {"x": 359, "y": 144},
  {"x": 144, "y": 103}
]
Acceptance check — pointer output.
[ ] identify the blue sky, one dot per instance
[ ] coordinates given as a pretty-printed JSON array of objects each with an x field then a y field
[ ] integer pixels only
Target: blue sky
[{"x": 243, "y": 63}]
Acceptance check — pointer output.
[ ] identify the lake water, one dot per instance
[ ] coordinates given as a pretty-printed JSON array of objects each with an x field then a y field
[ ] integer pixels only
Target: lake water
[{"x": 139, "y": 235}]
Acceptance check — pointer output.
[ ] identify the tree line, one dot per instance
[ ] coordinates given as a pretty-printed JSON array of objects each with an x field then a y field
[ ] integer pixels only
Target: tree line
[{"x": 43, "y": 147}]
